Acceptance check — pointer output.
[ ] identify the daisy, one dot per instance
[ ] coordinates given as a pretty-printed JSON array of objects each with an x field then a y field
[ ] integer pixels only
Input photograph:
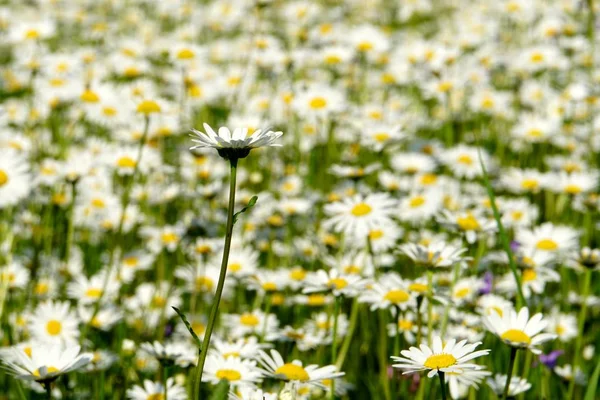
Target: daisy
[
  {"x": 45, "y": 362},
  {"x": 245, "y": 348},
  {"x": 563, "y": 325},
  {"x": 517, "y": 385},
  {"x": 451, "y": 358},
  {"x": 339, "y": 284},
  {"x": 436, "y": 254},
  {"x": 234, "y": 145},
  {"x": 389, "y": 291},
  {"x": 295, "y": 372},
  {"x": 358, "y": 215},
  {"x": 518, "y": 330},
  {"x": 54, "y": 323},
  {"x": 156, "y": 390},
  {"x": 238, "y": 372},
  {"x": 548, "y": 238},
  {"x": 170, "y": 353},
  {"x": 463, "y": 161},
  {"x": 15, "y": 181}
]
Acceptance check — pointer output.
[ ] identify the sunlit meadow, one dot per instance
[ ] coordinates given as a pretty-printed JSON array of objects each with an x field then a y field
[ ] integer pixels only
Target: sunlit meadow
[{"x": 299, "y": 200}]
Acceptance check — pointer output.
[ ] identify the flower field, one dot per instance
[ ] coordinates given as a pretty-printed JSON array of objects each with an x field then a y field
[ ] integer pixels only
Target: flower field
[{"x": 299, "y": 200}]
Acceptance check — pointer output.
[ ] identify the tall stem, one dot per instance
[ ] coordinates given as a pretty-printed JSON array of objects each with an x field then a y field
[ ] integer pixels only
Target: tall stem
[
  {"x": 336, "y": 311},
  {"x": 215, "y": 306},
  {"x": 70, "y": 222},
  {"x": 442, "y": 384},
  {"x": 429, "y": 306},
  {"x": 348, "y": 339},
  {"x": 580, "y": 327},
  {"x": 511, "y": 365}
]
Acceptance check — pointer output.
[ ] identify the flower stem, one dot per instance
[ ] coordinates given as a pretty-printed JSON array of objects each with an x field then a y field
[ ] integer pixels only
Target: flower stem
[
  {"x": 442, "y": 384},
  {"x": 336, "y": 312},
  {"x": 587, "y": 279},
  {"x": 511, "y": 365},
  {"x": 429, "y": 306},
  {"x": 215, "y": 306},
  {"x": 348, "y": 339},
  {"x": 70, "y": 222}
]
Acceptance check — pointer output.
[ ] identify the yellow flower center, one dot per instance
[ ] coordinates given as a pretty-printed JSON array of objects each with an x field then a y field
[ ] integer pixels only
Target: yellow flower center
[
  {"x": 148, "y": 107},
  {"x": 204, "y": 283},
  {"x": 438, "y": 361},
  {"x": 269, "y": 286},
  {"x": 365, "y": 46},
  {"x": 361, "y": 209},
  {"x": 468, "y": 223},
  {"x": 185, "y": 54},
  {"x": 109, "y": 111},
  {"x": 535, "y": 133},
  {"x": 126, "y": 162},
  {"x": 547, "y": 244},
  {"x": 32, "y": 34},
  {"x": 461, "y": 293},
  {"x": 517, "y": 215},
  {"x": 516, "y": 336},
  {"x": 27, "y": 350},
  {"x": 573, "y": 189},
  {"x": 89, "y": 96},
  {"x": 169, "y": 237},
  {"x": 418, "y": 287},
  {"x": 155, "y": 396},
  {"x": 318, "y": 103},
  {"x": 228, "y": 374},
  {"x": 405, "y": 324},
  {"x": 465, "y": 159},
  {"x": 529, "y": 184},
  {"x": 249, "y": 319},
  {"x": 297, "y": 274},
  {"x": 445, "y": 86},
  {"x": 41, "y": 288},
  {"x": 315, "y": 300},
  {"x": 428, "y": 179},
  {"x": 130, "y": 261},
  {"x": 337, "y": 283},
  {"x": 235, "y": 267},
  {"x": 49, "y": 370},
  {"x": 158, "y": 302},
  {"x": 397, "y": 296},
  {"x": 198, "y": 327},
  {"x": 529, "y": 275},
  {"x": 53, "y": 327},
  {"x": 332, "y": 59},
  {"x": 381, "y": 137},
  {"x": 293, "y": 372},
  {"x": 93, "y": 292},
  {"x": 537, "y": 57},
  {"x": 375, "y": 234},
  {"x": 416, "y": 201},
  {"x": 3, "y": 178},
  {"x": 560, "y": 329}
]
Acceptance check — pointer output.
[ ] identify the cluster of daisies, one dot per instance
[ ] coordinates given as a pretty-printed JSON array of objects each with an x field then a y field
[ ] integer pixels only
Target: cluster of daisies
[{"x": 267, "y": 199}]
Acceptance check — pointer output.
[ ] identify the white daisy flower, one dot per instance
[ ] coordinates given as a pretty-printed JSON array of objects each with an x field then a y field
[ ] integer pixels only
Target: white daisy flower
[
  {"x": 517, "y": 385},
  {"x": 295, "y": 372},
  {"x": 236, "y": 371},
  {"x": 156, "y": 390},
  {"x": 518, "y": 330},
  {"x": 236, "y": 144},
  {"x": 15, "y": 181},
  {"x": 44, "y": 362},
  {"x": 54, "y": 323},
  {"x": 452, "y": 358}
]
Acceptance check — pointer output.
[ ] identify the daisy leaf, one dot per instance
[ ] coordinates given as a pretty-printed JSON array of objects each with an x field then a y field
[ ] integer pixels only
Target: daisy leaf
[
  {"x": 188, "y": 326},
  {"x": 251, "y": 204}
]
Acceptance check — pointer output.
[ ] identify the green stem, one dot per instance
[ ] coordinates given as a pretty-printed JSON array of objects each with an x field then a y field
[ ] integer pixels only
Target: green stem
[
  {"x": 215, "y": 306},
  {"x": 165, "y": 376},
  {"x": 348, "y": 339},
  {"x": 442, "y": 384},
  {"x": 383, "y": 354},
  {"x": 336, "y": 312},
  {"x": 267, "y": 310},
  {"x": 429, "y": 306},
  {"x": 419, "y": 320},
  {"x": 48, "y": 387},
  {"x": 511, "y": 365},
  {"x": 71, "y": 222},
  {"x": 587, "y": 279}
]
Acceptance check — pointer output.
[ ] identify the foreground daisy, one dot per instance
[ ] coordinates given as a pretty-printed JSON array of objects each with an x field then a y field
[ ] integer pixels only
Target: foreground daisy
[
  {"x": 44, "y": 363},
  {"x": 452, "y": 359},
  {"x": 518, "y": 330},
  {"x": 236, "y": 144},
  {"x": 295, "y": 372},
  {"x": 156, "y": 390}
]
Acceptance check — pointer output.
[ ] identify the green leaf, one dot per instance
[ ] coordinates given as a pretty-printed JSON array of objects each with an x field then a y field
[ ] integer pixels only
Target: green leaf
[
  {"x": 251, "y": 204},
  {"x": 590, "y": 393},
  {"x": 221, "y": 391},
  {"x": 501, "y": 231},
  {"x": 188, "y": 326}
]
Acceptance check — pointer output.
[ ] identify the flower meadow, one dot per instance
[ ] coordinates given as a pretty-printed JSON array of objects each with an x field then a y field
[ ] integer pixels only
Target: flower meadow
[{"x": 299, "y": 200}]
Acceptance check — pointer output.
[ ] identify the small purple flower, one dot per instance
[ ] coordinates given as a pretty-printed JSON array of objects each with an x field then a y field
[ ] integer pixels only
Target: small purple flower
[
  {"x": 488, "y": 283},
  {"x": 514, "y": 246},
  {"x": 550, "y": 359}
]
